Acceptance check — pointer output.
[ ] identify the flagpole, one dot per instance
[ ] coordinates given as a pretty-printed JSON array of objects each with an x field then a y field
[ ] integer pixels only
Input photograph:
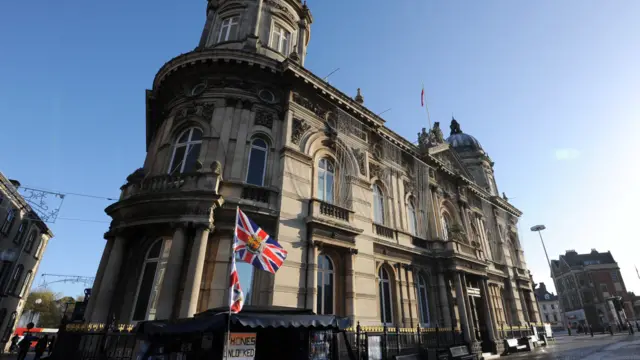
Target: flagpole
[
  {"x": 231, "y": 259},
  {"x": 426, "y": 106}
]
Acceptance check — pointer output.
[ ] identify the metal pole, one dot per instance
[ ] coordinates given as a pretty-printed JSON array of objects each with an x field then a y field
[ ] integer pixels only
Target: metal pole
[{"x": 553, "y": 279}]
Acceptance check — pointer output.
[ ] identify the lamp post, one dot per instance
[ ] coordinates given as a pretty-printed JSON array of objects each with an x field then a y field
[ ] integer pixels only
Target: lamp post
[{"x": 538, "y": 229}]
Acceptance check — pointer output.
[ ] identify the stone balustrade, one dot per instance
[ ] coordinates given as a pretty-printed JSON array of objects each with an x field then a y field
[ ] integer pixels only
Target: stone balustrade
[{"x": 162, "y": 184}]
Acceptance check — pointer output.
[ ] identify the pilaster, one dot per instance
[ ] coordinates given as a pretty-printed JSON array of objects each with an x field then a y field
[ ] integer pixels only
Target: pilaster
[
  {"x": 100, "y": 313},
  {"x": 191, "y": 293},
  {"x": 170, "y": 283}
]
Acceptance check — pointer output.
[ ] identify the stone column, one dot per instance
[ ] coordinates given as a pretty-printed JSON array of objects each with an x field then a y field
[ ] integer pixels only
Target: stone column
[
  {"x": 191, "y": 292},
  {"x": 170, "y": 283},
  {"x": 488, "y": 309},
  {"x": 399, "y": 316},
  {"x": 436, "y": 212},
  {"x": 470, "y": 315},
  {"x": 109, "y": 281},
  {"x": 444, "y": 300},
  {"x": 95, "y": 289},
  {"x": 312, "y": 277},
  {"x": 350, "y": 284},
  {"x": 462, "y": 309}
]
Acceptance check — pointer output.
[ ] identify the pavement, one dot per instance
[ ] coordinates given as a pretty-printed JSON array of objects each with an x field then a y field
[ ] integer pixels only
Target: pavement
[{"x": 621, "y": 346}]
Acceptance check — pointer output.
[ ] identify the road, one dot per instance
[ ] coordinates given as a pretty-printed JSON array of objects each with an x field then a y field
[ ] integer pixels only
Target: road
[{"x": 599, "y": 347}]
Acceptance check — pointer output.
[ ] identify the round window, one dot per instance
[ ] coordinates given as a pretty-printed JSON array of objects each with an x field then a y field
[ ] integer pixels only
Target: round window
[
  {"x": 198, "y": 89},
  {"x": 267, "y": 96}
]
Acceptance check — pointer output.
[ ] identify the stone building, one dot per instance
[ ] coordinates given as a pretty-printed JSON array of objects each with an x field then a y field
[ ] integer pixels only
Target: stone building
[
  {"x": 23, "y": 240},
  {"x": 549, "y": 306},
  {"x": 377, "y": 228},
  {"x": 591, "y": 289}
]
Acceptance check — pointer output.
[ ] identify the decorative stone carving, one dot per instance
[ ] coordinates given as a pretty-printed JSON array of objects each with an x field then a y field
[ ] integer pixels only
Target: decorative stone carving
[
  {"x": 360, "y": 158},
  {"x": 309, "y": 105},
  {"x": 455, "y": 127},
  {"x": 435, "y": 135},
  {"x": 431, "y": 138},
  {"x": 409, "y": 187},
  {"x": 423, "y": 140},
  {"x": 264, "y": 118},
  {"x": 204, "y": 111},
  {"x": 281, "y": 8},
  {"x": 299, "y": 127},
  {"x": 216, "y": 167},
  {"x": 375, "y": 171},
  {"x": 136, "y": 176},
  {"x": 456, "y": 233}
]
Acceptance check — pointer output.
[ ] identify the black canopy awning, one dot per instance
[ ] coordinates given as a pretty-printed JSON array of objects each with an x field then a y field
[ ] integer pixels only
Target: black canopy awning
[{"x": 215, "y": 320}]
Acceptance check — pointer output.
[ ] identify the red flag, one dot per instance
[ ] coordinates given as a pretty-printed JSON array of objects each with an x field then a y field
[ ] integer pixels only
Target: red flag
[
  {"x": 236, "y": 298},
  {"x": 422, "y": 96}
]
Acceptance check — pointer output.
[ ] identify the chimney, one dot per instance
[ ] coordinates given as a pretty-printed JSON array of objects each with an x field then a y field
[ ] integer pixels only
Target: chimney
[
  {"x": 594, "y": 251},
  {"x": 359, "y": 99},
  {"x": 543, "y": 287}
]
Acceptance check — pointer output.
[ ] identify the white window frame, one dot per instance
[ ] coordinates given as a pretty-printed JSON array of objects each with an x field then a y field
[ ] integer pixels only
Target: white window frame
[
  {"x": 28, "y": 245},
  {"x": 422, "y": 285},
  {"x": 412, "y": 218},
  {"x": 327, "y": 161},
  {"x": 282, "y": 31},
  {"x": 379, "y": 200},
  {"x": 158, "y": 278},
  {"x": 324, "y": 273},
  {"x": 226, "y": 27},
  {"x": 381, "y": 282},
  {"x": 266, "y": 158},
  {"x": 189, "y": 144}
]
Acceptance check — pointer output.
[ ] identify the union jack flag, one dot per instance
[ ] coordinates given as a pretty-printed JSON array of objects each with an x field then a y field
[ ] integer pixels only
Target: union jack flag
[
  {"x": 254, "y": 246},
  {"x": 236, "y": 297}
]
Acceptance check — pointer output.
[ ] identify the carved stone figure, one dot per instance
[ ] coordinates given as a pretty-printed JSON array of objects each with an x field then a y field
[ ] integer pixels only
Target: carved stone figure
[
  {"x": 435, "y": 135},
  {"x": 455, "y": 127},
  {"x": 423, "y": 140},
  {"x": 299, "y": 127},
  {"x": 360, "y": 155}
]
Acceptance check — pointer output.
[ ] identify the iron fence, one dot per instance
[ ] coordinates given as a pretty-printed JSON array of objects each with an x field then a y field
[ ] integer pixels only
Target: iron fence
[{"x": 94, "y": 345}]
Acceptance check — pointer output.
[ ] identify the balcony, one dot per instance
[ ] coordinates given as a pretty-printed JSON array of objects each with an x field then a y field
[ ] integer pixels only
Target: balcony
[
  {"x": 384, "y": 231},
  {"x": 163, "y": 184},
  {"x": 331, "y": 218},
  {"x": 256, "y": 193},
  {"x": 421, "y": 243}
]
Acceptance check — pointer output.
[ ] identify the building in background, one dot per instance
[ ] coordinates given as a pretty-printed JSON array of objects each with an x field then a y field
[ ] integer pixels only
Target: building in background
[
  {"x": 377, "y": 228},
  {"x": 591, "y": 289},
  {"x": 549, "y": 306},
  {"x": 23, "y": 240}
]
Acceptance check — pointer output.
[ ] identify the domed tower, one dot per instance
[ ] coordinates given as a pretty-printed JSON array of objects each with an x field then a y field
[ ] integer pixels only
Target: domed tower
[
  {"x": 278, "y": 29},
  {"x": 475, "y": 158},
  {"x": 215, "y": 126}
]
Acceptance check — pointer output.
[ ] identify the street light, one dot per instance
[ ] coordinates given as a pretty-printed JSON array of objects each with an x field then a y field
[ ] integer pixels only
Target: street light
[{"x": 538, "y": 229}]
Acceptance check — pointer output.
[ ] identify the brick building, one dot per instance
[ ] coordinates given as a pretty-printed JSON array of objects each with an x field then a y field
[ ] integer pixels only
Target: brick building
[{"x": 591, "y": 289}]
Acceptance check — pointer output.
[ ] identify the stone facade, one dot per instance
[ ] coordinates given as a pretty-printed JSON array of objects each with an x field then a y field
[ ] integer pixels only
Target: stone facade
[
  {"x": 23, "y": 240},
  {"x": 396, "y": 233}
]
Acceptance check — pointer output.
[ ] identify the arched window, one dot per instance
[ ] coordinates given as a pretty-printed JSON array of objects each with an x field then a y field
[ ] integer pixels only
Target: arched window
[
  {"x": 9, "y": 329},
  {"x": 21, "y": 230},
  {"x": 15, "y": 279},
  {"x": 423, "y": 300},
  {"x": 325, "y": 285},
  {"x": 412, "y": 218},
  {"x": 257, "y": 162},
  {"x": 39, "y": 248},
  {"x": 149, "y": 283},
  {"x": 8, "y": 221},
  {"x": 445, "y": 221},
  {"x": 30, "y": 240},
  {"x": 386, "y": 304},
  {"x": 326, "y": 180},
  {"x": 25, "y": 283},
  {"x": 186, "y": 151},
  {"x": 378, "y": 204}
]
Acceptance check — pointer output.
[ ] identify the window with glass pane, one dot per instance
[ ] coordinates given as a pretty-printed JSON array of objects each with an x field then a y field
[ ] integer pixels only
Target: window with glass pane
[
  {"x": 228, "y": 29},
  {"x": 325, "y": 285},
  {"x": 413, "y": 220},
  {"x": 15, "y": 280},
  {"x": 8, "y": 221},
  {"x": 9, "y": 328},
  {"x": 147, "y": 282},
  {"x": 25, "y": 284},
  {"x": 30, "y": 241},
  {"x": 326, "y": 180},
  {"x": 378, "y": 205},
  {"x": 257, "y": 162},
  {"x": 280, "y": 39},
  {"x": 21, "y": 230},
  {"x": 384, "y": 282},
  {"x": 186, "y": 151},
  {"x": 423, "y": 300}
]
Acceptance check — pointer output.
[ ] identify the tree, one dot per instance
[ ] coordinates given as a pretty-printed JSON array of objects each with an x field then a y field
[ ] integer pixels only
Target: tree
[{"x": 44, "y": 302}]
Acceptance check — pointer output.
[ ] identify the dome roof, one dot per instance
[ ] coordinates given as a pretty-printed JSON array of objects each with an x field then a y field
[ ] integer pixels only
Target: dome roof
[{"x": 461, "y": 141}]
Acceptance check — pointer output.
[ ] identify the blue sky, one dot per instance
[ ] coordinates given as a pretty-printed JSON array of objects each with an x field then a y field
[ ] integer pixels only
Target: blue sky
[{"x": 551, "y": 89}]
